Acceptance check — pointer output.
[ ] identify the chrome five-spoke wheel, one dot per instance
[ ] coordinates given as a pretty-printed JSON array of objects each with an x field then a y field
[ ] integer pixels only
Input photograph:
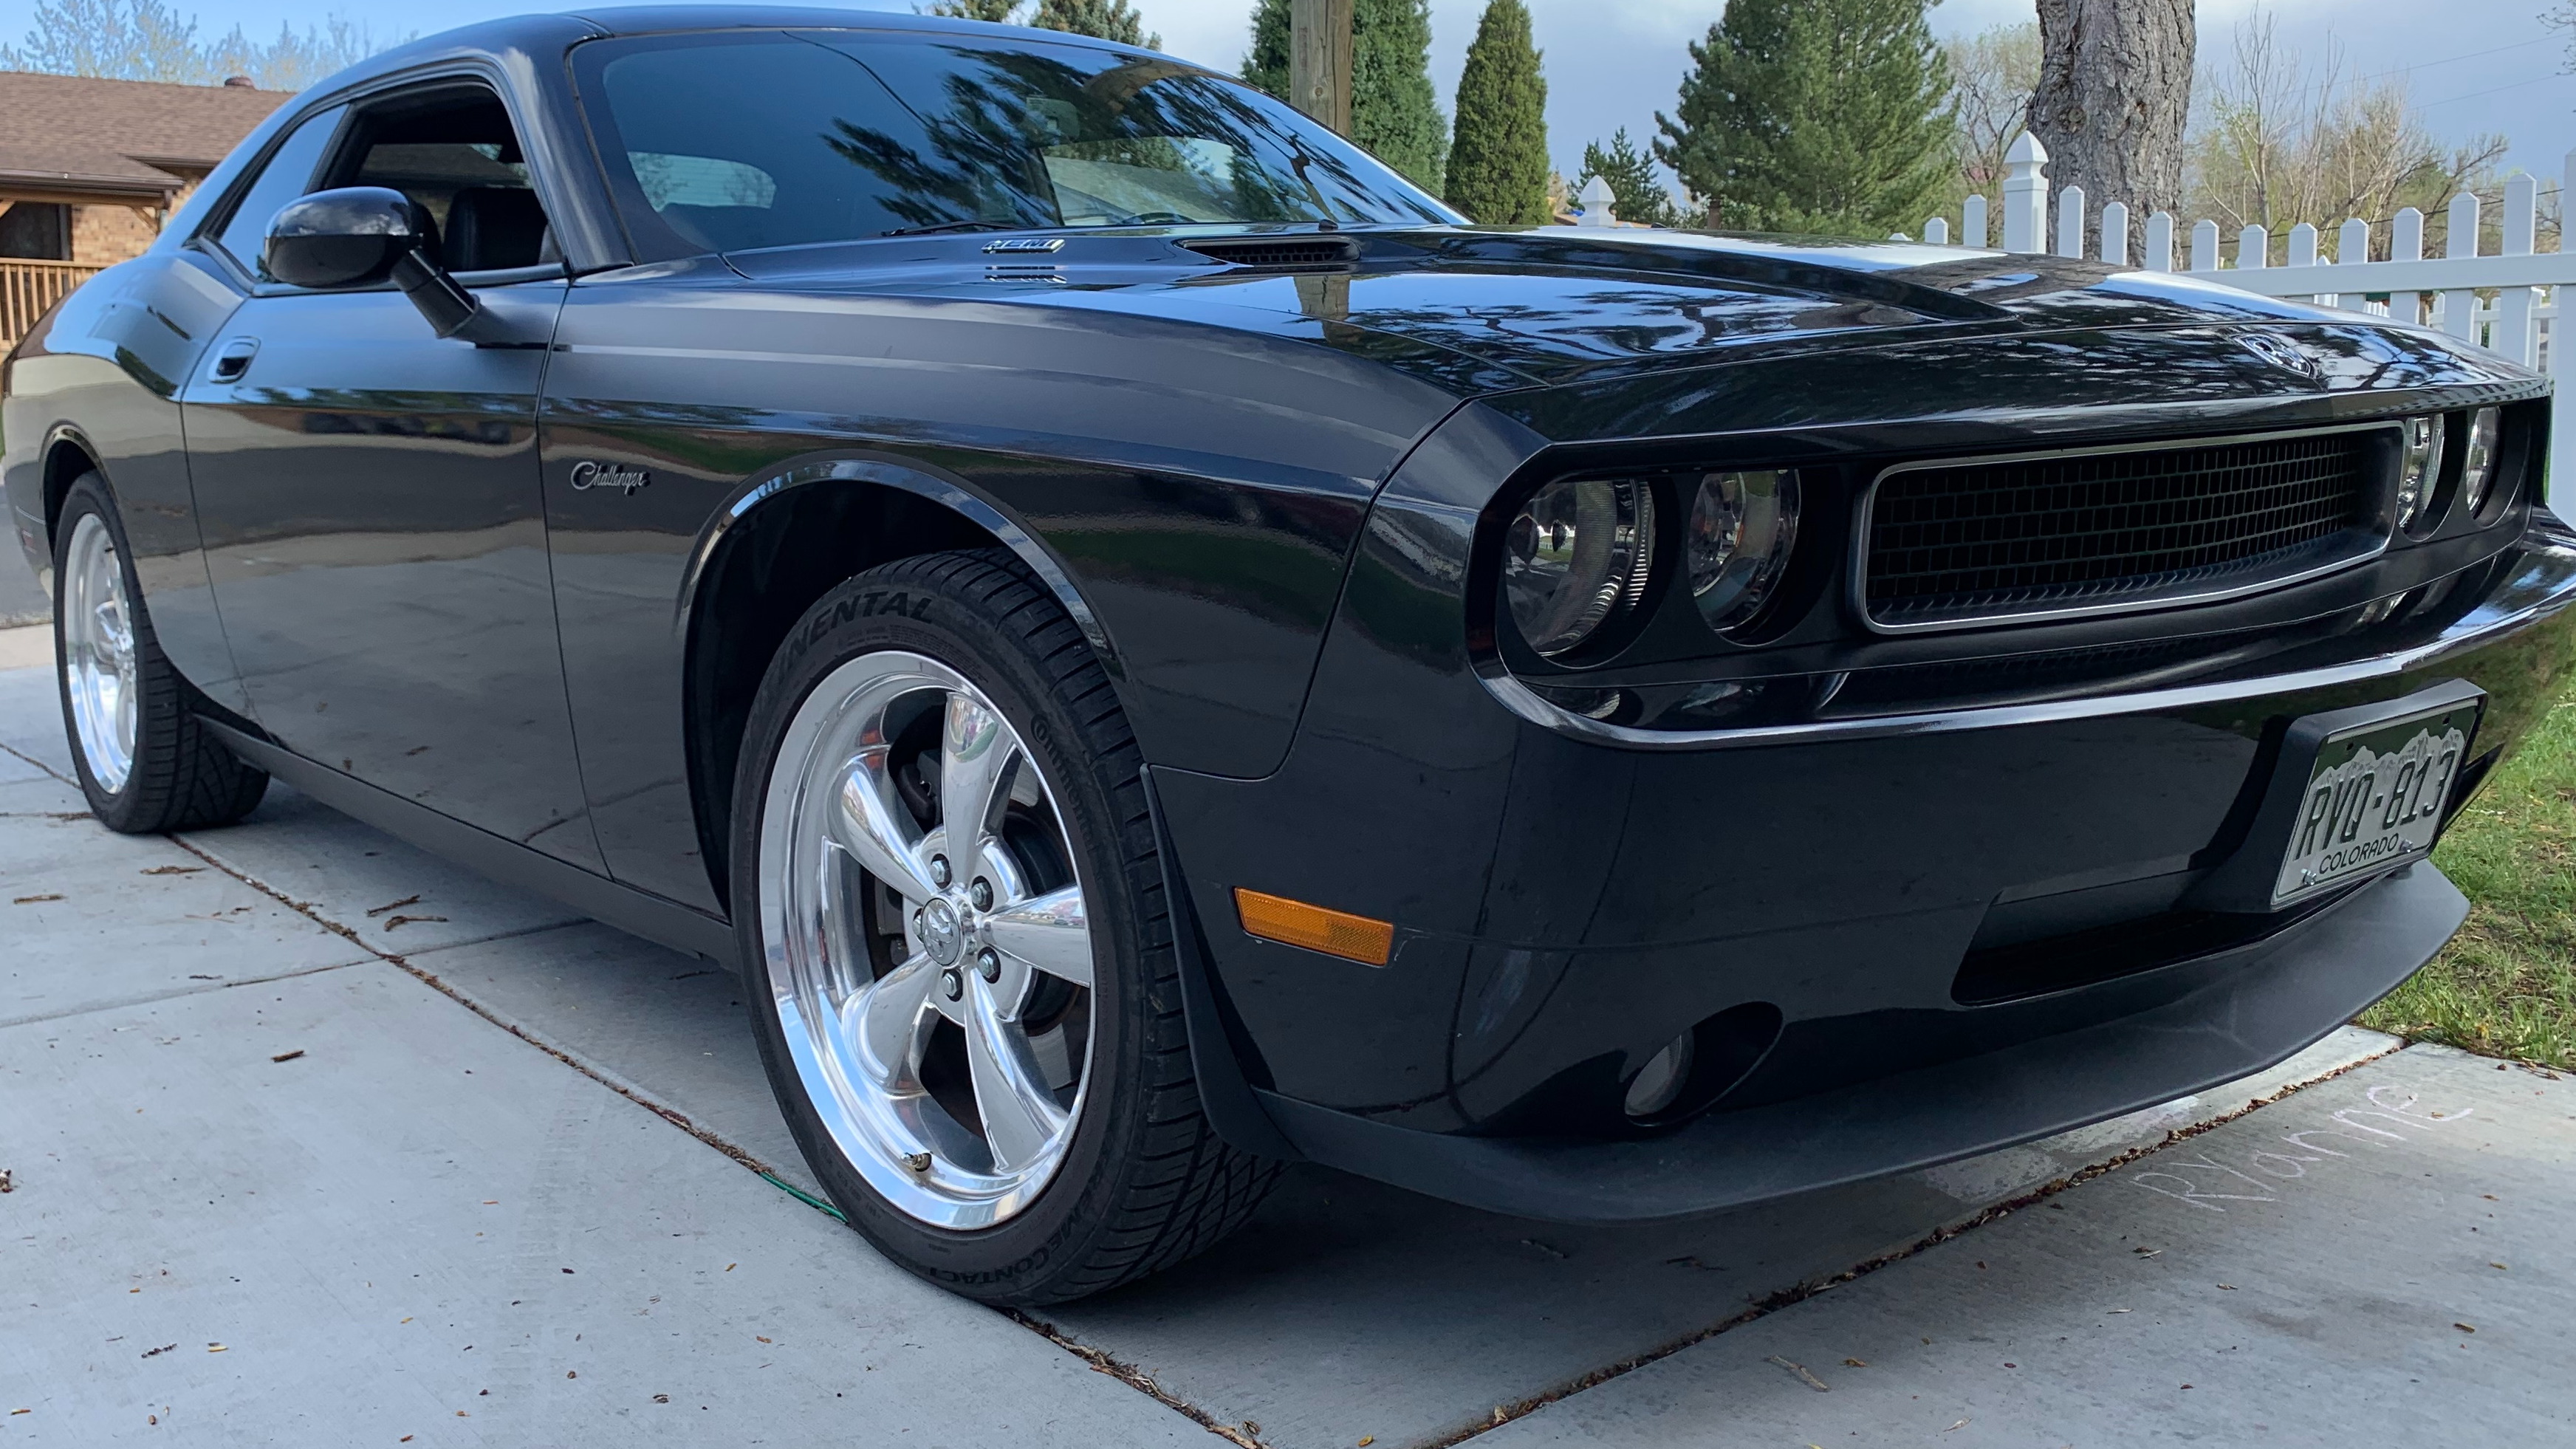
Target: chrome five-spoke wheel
[
  {"x": 930, "y": 958},
  {"x": 98, "y": 653}
]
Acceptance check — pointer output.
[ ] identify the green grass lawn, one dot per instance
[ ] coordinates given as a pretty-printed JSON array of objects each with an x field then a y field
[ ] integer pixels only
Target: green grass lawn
[{"x": 2507, "y": 986}]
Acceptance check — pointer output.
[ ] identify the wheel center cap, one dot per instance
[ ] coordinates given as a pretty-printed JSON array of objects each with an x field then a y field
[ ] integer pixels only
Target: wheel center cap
[{"x": 941, "y": 932}]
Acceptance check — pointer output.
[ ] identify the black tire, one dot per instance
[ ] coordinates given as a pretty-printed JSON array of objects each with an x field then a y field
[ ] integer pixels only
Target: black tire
[
  {"x": 182, "y": 777},
  {"x": 1146, "y": 1181}
]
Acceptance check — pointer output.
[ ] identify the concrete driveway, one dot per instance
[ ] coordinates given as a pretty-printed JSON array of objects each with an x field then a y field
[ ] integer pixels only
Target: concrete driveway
[{"x": 312, "y": 1139}]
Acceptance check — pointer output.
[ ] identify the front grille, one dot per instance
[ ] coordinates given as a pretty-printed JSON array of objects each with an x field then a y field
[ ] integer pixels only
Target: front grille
[{"x": 1994, "y": 540}]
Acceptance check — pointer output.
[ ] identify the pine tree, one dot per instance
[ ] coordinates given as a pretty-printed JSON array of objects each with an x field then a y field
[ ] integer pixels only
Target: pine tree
[
  {"x": 1815, "y": 115},
  {"x": 1498, "y": 164},
  {"x": 1638, "y": 193},
  {"x": 997, "y": 11},
  {"x": 1265, "y": 65},
  {"x": 1103, "y": 19},
  {"x": 1394, "y": 111},
  {"x": 1395, "y": 114}
]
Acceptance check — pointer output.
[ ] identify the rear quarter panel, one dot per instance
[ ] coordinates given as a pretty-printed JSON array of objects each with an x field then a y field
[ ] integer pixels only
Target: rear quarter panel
[{"x": 103, "y": 372}]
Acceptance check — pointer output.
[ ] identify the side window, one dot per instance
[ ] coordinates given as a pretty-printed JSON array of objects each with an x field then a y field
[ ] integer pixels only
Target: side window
[
  {"x": 828, "y": 136},
  {"x": 807, "y": 146},
  {"x": 454, "y": 152},
  {"x": 287, "y": 175}
]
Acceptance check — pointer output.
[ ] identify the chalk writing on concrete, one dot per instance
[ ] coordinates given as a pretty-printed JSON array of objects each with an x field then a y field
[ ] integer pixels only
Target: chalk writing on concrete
[{"x": 2208, "y": 1181}]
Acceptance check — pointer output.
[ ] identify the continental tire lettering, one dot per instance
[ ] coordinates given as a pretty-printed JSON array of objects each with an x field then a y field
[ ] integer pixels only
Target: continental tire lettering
[{"x": 899, "y": 602}]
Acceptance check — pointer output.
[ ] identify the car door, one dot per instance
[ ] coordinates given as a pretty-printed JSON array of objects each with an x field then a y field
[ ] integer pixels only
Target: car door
[
  {"x": 654, "y": 374},
  {"x": 368, "y": 492}
]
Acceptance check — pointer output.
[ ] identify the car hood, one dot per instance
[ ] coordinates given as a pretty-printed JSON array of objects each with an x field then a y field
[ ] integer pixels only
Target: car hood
[{"x": 1486, "y": 311}]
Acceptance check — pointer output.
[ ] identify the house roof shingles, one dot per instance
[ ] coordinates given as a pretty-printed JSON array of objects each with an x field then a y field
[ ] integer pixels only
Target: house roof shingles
[{"x": 119, "y": 140}]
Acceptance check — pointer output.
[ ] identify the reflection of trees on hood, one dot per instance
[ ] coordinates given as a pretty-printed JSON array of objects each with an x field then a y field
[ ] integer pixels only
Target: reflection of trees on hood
[{"x": 980, "y": 156}]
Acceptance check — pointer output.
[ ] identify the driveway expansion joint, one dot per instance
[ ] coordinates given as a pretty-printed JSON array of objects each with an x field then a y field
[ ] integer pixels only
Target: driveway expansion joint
[
  {"x": 1245, "y": 1433},
  {"x": 1098, "y": 1360},
  {"x": 430, "y": 979},
  {"x": 178, "y": 993},
  {"x": 1799, "y": 1293}
]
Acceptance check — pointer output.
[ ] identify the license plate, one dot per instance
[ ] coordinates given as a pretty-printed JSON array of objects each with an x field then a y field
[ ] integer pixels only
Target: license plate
[{"x": 2375, "y": 796}]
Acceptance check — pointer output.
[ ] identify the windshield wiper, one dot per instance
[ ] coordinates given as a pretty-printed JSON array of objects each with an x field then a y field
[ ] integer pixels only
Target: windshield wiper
[{"x": 956, "y": 226}]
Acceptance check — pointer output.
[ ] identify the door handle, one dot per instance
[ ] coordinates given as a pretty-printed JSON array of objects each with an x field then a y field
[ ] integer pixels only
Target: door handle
[{"x": 234, "y": 359}]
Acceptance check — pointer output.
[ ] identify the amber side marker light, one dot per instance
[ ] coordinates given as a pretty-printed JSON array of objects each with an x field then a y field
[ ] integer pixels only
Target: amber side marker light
[{"x": 1295, "y": 923}]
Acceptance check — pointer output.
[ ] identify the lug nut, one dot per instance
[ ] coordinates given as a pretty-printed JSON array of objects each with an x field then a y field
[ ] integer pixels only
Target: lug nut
[
  {"x": 951, "y": 985},
  {"x": 939, "y": 871},
  {"x": 983, "y": 894},
  {"x": 988, "y": 964}
]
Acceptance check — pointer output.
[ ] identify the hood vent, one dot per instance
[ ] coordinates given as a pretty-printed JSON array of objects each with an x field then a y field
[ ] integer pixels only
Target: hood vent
[{"x": 1281, "y": 254}]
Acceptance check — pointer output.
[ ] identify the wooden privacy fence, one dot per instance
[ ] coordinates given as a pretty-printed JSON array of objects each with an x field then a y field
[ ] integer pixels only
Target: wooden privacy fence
[
  {"x": 2507, "y": 301},
  {"x": 28, "y": 287}
]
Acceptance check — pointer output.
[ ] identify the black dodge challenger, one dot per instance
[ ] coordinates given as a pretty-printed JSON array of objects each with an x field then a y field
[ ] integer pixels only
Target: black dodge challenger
[{"x": 1159, "y": 651}]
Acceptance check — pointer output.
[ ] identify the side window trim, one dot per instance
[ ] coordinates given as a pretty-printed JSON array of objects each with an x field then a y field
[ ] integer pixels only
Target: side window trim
[
  {"x": 206, "y": 237},
  {"x": 338, "y": 153}
]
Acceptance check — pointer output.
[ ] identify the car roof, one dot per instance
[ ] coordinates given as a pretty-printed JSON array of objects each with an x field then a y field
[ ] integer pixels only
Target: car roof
[
  {"x": 661, "y": 19},
  {"x": 538, "y": 32}
]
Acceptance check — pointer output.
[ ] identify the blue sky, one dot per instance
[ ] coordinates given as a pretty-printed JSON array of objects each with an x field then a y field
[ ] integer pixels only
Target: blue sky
[{"x": 2485, "y": 65}]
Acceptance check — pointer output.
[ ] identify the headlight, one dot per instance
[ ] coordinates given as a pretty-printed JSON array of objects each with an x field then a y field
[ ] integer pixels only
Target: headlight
[
  {"x": 1742, "y": 526},
  {"x": 1577, "y": 556},
  {"x": 2419, "y": 469},
  {"x": 2478, "y": 460}
]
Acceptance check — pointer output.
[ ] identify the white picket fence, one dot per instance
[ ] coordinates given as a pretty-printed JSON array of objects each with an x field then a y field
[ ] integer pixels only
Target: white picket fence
[{"x": 2507, "y": 301}]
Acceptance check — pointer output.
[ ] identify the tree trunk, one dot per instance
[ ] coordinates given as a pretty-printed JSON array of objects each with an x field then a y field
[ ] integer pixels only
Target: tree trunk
[
  {"x": 2114, "y": 90},
  {"x": 1319, "y": 61}
]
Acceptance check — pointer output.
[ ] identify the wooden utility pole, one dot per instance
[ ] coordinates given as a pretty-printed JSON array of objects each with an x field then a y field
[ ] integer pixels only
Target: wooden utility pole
[
  {"x": 1319, "y": 60},
  {"x": 2114, "y": 93}
]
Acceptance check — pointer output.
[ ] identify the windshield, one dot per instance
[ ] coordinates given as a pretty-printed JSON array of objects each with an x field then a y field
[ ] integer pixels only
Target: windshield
[{"x": 826, "y": 136}]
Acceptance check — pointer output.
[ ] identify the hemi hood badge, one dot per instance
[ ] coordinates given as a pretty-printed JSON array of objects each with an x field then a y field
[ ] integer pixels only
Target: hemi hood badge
[
  {"x": 1025, "y": 244},
  {"x": 587, "y": 475}
]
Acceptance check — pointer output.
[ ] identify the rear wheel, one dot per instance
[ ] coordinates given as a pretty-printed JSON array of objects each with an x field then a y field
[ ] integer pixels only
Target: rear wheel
[
  {"x": 146, "y": 763},
  {"x": 950, "y": 898}
]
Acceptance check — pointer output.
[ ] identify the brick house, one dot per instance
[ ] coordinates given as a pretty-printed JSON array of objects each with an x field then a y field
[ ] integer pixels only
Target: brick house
[{"x": 90, "y": 168}]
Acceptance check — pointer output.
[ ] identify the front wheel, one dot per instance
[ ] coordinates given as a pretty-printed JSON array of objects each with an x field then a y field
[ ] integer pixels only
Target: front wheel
[
  {"x": 950, "y": 902},
  {"x": 147, "y": 764}
]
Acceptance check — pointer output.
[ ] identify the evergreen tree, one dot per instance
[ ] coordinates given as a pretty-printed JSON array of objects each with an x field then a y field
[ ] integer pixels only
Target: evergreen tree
[
  {"x": 1639, "y": 193},
  {"x": 1394, "y": 111},
  {"x": 1104, "y": 19},
  {"x": 1815, "y": 115},
  {"x": 1265, "y": 65},
  {"x": 1498, "y": 163},
  {"x": 1395, "y": 114}
]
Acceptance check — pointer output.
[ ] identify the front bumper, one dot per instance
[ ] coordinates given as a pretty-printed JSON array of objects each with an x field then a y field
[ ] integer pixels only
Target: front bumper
[
  {"x": 1568, "y": 900},
  {"x": 2243, "y": 1010}
]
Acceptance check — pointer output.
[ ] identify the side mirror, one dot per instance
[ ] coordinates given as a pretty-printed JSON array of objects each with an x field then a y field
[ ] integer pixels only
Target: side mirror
[
  {"x": 359, "y": 236},
  {"x": 346, "y": 238}
]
